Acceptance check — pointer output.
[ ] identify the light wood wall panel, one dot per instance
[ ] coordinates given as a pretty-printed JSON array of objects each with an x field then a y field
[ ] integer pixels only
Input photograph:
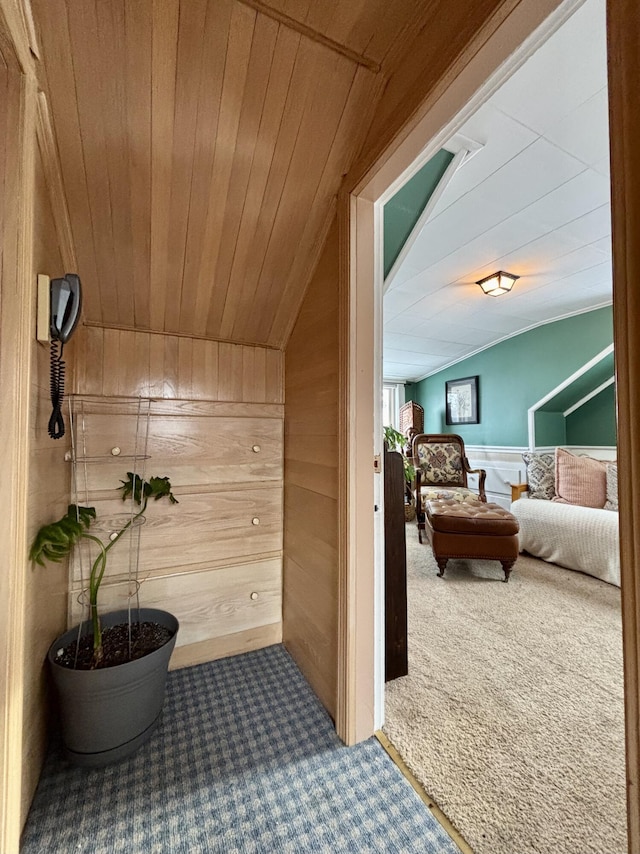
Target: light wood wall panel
[
  {"x": 49, "y": 484},
  {"x": 118, "y": 362},
  {"x": 202, "y": 144},
  {"x": 215, "y": 428},
  {"x": 16, "y": 294},
  {"x": 311, "y": 475},
  {"x": 368, "y": 30},
  {"x": 210, "y": 605}
]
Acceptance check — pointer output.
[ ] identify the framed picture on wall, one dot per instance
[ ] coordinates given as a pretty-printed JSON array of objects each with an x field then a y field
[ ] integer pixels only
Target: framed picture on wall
[{"x": 462, "y": 401}]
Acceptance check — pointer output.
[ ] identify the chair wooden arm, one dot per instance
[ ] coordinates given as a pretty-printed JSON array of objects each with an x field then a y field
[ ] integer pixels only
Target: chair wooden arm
[
  {"x": 418, "y": 484},
  {"x": 481, "y": 479},
  {"x": 517, "y": 490}
]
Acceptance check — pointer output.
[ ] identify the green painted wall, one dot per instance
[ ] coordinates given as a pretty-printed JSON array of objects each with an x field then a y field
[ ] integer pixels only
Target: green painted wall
[
  {"x": 551, "y": 429},
  {"x": 520, "y": 371},
  {"x": 595, "y": 418},
  {"x": 402, "y": 212}
]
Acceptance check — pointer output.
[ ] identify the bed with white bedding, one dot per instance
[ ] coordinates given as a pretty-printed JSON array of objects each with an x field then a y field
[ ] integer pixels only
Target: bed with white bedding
[{"x": 582, "y": 538}]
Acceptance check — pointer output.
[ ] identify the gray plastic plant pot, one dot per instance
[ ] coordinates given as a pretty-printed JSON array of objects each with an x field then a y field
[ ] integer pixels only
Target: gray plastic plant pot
[{"x": 108, "y": 713}]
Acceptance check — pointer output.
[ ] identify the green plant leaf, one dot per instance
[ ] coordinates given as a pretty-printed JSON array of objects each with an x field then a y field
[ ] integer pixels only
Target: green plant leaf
[
  {"x": 132, "y": 487},
  {"x": 136, "y": 488},
  {"x": 394, "y": 439},
  {"x": 159, "y": 487},
  {"x": 54, "y": 542}
]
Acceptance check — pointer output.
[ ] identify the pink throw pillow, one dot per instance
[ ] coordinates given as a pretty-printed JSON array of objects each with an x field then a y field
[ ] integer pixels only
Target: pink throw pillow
[{"x": 580, "y": 480}]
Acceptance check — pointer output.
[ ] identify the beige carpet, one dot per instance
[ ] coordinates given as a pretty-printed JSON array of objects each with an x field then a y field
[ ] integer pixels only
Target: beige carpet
[{"x": 512, "y": 714}]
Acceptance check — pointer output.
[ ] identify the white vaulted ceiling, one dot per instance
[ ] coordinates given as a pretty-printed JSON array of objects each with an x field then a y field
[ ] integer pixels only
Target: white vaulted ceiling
[{"x": 533, "y": 201}]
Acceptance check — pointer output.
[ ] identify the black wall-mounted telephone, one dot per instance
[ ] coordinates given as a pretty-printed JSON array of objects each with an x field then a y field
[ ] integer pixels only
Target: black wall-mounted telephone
[
  {"x": 65, "y": 296},
  {"x": 66, "y": 302}
]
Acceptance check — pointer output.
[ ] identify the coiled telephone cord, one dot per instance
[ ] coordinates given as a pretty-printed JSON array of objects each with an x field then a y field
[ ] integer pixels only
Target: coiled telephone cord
[{"x": 56, "y": 422}]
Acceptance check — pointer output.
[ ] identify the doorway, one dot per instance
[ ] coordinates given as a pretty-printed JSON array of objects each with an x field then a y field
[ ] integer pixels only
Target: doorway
[{"x": 435, "y": 123}]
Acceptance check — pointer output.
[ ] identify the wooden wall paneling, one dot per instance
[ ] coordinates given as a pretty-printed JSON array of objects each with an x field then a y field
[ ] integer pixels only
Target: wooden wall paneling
[
  {"x": 241, "y": 30},
  {"x": 216, "y": 529},
  {"x": 171, "y": 367},
  {"x": 156, "y": 366},
  {"x": 248, "y": 368},
  {"x": 116, "y": 362},
  {"x": 47, "y": 248},
  {"x": 362, "y": 32},
  {"x": 252, "y": 222},
  {"x": 310, "y": 631},
  {"x": 251, "y": 109},
  {"x": 17, "y": 297},
  {"x": 210, "y": 604},
  {"x": 199, "y": 380},
  {"x": 256, "y": 383},
  {"x": 88, "y": 96},
  {"x": 275, "y": 376},
  {"x": 58, "y": 78},
  {"x": 327, "y": 97},
  {"x": 190, "y": 51},
  {"x": 15, "y": 37},
  {"x": 185, "y": 367},
  {"x": 132, "y": 366},
  {"x": 350, "y": 134},
  {"x": 295, "y": 95},
  {"x": 163, "y": 76},
  {"x": 297, "y": 24},
  {"x": 111, "y": 363},
  {"x": 143, "y": 362},
  {"x": 229, "y": 372},
  {"x": 89, "y": 361},
  {"x": 312, "y": 649},
  {"x": 138, "y": 19},
  {"x": 27, "y": 12},
  {"x": 308, "y": 463},
  {"x": 212, "y": 370},
  {"x": 202, "y": 145},
  {"x": 195, "y": 451},
  {"x": 45, "y": 588},
  {"x": 113, "y": 125},
  {"x": 206, "y": 153},
  {"x": 57, "y": 193},
  {"x": 225, "y": 461}
]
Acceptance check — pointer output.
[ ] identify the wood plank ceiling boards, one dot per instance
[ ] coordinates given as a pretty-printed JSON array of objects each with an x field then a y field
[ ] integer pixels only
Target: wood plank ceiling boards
[{"x": 202, "y": 145}]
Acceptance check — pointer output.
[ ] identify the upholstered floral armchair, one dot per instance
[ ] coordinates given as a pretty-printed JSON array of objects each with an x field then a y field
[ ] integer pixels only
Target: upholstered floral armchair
[{"x": 441, "y": 472}]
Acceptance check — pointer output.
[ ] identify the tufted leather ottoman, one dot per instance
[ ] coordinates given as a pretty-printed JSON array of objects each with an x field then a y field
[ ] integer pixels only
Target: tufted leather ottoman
[{"x": 471, "y": 530}]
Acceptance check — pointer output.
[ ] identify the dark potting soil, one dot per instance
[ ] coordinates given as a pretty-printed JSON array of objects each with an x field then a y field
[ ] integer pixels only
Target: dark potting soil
[{"x": 145, "y": 638}]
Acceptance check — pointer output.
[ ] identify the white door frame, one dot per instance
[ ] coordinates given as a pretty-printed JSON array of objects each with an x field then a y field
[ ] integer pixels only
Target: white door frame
[
  {"x": 361, "y": 708},
  {"x": 360, "y": 289}
]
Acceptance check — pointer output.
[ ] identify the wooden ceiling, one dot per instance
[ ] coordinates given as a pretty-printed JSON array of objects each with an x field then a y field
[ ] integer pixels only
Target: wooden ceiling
[{"x": 202, "y": 144}]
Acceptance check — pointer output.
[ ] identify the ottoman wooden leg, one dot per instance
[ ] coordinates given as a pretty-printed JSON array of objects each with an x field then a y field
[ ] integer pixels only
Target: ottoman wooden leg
[
  {"x": 442, "y": 565},
  {"x": 507, "y": 565}
]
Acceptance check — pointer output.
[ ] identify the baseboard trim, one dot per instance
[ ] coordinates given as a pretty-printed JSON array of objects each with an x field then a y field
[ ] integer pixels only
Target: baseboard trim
[
  {"x": 437, "y": 813},
  {"x": 223, "y": 647}
]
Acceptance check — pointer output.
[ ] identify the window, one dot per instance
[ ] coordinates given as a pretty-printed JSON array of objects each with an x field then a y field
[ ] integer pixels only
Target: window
[{"x": 392, "y": 400}]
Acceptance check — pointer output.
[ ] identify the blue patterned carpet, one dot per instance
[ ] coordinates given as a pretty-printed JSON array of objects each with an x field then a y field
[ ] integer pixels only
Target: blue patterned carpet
[{"x": 245, "y": 760}]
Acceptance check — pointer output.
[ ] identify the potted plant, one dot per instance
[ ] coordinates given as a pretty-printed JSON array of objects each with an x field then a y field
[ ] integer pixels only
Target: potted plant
[
  {"x": 395, "y": 441},
  {"x": 110, "y": 681}
]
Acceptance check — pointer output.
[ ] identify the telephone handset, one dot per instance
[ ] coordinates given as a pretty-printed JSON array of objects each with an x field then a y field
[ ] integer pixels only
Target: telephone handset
[{"x": 65, "y": 304}]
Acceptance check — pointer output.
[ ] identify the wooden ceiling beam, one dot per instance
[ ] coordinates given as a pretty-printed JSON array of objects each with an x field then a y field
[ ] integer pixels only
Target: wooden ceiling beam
[{"x": 312, "y": 34}]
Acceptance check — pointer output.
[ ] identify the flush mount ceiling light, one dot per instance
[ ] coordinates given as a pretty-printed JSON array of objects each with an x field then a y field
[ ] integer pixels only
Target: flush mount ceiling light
[{"x": 497, "y": 283}]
